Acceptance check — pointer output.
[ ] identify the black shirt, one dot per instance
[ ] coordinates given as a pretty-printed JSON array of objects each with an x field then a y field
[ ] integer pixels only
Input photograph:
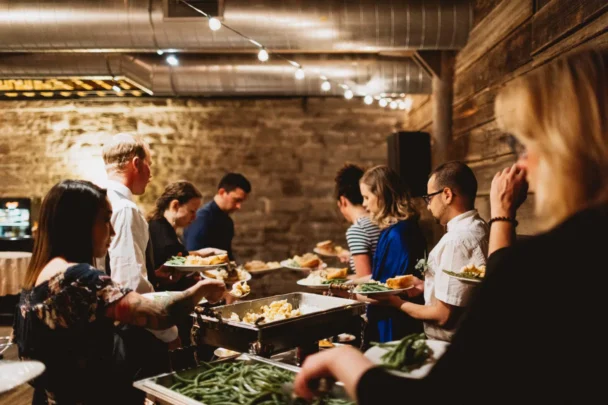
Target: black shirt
[
  {"x": 165, "y": 242},
  {"x": 532, "y": 333},
  {"x": 211, "y": 228}
]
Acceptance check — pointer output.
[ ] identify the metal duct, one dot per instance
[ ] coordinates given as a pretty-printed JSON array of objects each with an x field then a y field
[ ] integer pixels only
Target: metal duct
[
  {"x": 308, "y": 26},
  {"x": 229, "y": 75}
]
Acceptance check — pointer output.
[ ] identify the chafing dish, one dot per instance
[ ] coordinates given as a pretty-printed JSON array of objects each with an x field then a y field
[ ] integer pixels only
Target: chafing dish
[{"x": 322, "y": 316}]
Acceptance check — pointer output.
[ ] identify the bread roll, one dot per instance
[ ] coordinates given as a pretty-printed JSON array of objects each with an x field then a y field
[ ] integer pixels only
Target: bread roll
[
  {"x": 333, "y": 274},
  {"x": 400, "y": 282}
]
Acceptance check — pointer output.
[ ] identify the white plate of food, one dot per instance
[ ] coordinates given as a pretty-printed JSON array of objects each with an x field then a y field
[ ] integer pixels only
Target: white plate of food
[
  {"x": 15, "y": 373},
  {"x": 193, "y": 263},
  {"x": 240, "y": 289},
  {"x": 468, "y": 274},
  {"x": 225, "y": 276},
  {"x": 437, "y": 349},
  {"x": 306, "y": 262},
  {"x": 393, "y": 286},
  {"x": 322, "y": 279},
  {"x": 259, "y": 267},
  {"x": 327, "y": 248}
]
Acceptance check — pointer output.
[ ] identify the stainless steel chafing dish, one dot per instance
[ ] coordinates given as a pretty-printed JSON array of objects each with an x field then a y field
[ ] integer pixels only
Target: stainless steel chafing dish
[
  {"x": 322, "y": 316},
  {"x": 157, "y": 387}
]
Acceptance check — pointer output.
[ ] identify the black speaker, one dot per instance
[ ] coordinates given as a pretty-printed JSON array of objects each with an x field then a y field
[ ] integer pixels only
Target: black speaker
[{"x": 409, "y": 154}]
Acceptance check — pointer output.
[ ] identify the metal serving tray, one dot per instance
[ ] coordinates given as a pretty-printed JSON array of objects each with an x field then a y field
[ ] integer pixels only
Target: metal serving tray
[
  {"x": 157, "y": 387},
  {"x": 322, "y": 316}
]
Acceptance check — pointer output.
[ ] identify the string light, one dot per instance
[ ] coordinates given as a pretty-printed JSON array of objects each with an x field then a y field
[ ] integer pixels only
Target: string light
[
  {"x": 408, "y": 103},
  {"x": 348, "y": 94},
  {"x": 214, "y": 24},
  {"x": 160, "y": 52},
  {"x": 393, "y": 105},
  {"x": 326, "y": 85},
  {"x": 300, "y": 74},
  {"x": 116, "y": 88},
  {"x": 382, "y": 103},
  {"x": 263, "y": 55},
  {"x": 172, "y": 60},
  {"x": 368, "y": 100},
  {"x": 402, "y": 105}
]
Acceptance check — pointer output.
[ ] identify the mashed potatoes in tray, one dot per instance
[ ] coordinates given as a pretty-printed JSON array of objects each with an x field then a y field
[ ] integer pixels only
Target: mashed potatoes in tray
[{"x": 276, "y": 311}]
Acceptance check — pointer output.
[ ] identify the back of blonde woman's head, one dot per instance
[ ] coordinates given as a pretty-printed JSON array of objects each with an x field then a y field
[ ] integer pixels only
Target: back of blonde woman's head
[
  {"x": 561, "y": 110},
  {"x": 394, "y": 201}
]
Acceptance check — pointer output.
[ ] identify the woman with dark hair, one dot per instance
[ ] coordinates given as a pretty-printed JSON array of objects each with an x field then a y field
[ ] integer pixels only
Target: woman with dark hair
[
  {"x": 67, "y": 308},
  {"x": 174, "y": 209},
  {"x": 400, "y": 246}
]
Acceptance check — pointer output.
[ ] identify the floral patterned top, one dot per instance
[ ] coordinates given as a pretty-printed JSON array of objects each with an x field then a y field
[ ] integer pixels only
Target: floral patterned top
[{"x": 61, "y": 323}]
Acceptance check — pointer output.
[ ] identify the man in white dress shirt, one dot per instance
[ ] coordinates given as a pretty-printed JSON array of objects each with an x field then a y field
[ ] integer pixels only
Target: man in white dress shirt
[
  {"x": 451, "y": 190},
  {"x": 128, "y": 160}
]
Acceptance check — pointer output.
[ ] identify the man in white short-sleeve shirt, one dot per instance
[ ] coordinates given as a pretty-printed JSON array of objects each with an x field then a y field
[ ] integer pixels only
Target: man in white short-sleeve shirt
[{"x": 451, "y": 190}]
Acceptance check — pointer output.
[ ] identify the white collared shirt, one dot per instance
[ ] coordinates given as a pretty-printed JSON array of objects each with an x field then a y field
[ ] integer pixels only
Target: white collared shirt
[
  {"x": 465, "y": 242},
  {"x": 128, "y": 248}
]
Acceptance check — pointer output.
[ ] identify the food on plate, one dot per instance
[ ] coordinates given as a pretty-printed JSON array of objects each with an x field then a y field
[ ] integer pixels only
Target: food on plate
[
  {"x": 401, "y": 282},
  {"x": 319, "y": 277},
  {"x": 192, "y": 260},
  {"x": 258, "y": 265},
  {"x": 325, "y": 344},
  {"x": 308, "y": 261},
  {"x": 408, "y": 354},
  {"x": 372, "y": 286},
  {"x": 334, "y": 274},
  {"x": 240, "y": 383},
  {"x": 240, "y": 289},
  {"x": 470, "y": 271},
  {"x": 231, "y": 276},
  {"x": 276, "y": 311},
  {"x": 327, "y": 247}
]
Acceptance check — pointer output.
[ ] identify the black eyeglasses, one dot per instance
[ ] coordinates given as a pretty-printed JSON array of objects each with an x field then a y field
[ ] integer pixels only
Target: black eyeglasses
[
  {"x": 428, "y": 197},
  {"x": 517, "y": 148}
]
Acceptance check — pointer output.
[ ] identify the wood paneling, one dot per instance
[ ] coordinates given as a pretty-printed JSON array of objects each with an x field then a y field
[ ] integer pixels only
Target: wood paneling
[
  {"x": 481, "y": 8},
  {"x": 481, "y": 143},
  {"x": 500, "y": 22},
  {"x": 558, "y": 18},
  {"x": 474, "y": 111}
]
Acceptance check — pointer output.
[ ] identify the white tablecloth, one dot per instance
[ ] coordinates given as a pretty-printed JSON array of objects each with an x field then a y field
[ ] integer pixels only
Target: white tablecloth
[{"x": 13, "y": 266}]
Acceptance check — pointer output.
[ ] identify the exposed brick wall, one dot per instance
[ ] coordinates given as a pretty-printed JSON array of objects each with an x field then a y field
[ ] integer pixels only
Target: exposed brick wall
[{"x": 290, "y": 150}]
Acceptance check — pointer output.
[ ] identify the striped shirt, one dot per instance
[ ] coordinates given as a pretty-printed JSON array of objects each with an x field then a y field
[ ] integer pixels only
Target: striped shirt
[{"x": 362, "y": 238}]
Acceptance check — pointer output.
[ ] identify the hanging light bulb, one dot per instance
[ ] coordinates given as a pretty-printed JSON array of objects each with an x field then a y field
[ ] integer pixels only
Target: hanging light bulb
[
  {"x": 172, "y": 60},
  {"x": 408, "y": 103},
  {"x": 348, "y": 94},
  {"x": 263, "y": 55},
  {"x": 326, "y": 86},
  {"x": 393, "y": 105},
  {"x": 402, "y": 105},
  {"x": 300, "y": 74},
  {"x": 160, "y": 52},
  {"x": 382, "y": 102},
  {"x": 214, "y": 24},
  {"x": 368, "y": 100},
  {"x": 116, "y": 88}
]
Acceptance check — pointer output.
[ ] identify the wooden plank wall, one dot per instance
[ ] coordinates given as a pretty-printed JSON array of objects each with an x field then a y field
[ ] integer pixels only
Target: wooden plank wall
[{"x": 510, "y": 38}]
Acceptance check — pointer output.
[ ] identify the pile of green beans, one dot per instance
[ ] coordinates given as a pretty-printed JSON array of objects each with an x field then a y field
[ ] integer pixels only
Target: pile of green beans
[
  {"x": 410, "y": 353},
  {"x": 335, "y": 281},
  {"x": 240, "y": 383},
  {"x": 371, "y": 287}
]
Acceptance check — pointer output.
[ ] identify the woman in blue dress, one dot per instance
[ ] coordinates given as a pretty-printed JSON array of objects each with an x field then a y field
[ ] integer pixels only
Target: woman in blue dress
[{"x": 401, "y": 245}]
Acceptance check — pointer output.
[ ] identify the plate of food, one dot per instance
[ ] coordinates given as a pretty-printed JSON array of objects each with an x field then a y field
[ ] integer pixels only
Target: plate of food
[
  {"x": 306, "y": 262},
  {"x": 192, "y": 263},
  {"x": 240, "y": 289},
  {"x": 468, "y": 274},
  {"x": 413, "y": 356},
  {"x": 322, "y": 279},
  {"x": 392, "y": 286},
  {"x": 327, "y": 248},
  {"x": 163, "y": 295},
  {"x": 228, "y": 276},
  {"x": 15, "y": 373},
  {"x": 259, "y": 266}
]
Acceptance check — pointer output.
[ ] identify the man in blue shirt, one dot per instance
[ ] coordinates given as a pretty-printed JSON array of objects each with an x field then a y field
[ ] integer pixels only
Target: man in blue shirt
[{"x": 213, "y": 226}]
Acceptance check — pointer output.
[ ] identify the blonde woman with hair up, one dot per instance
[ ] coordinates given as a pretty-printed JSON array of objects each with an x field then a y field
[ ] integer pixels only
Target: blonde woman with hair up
[
  {"x": 531, "y": 333},
  {"x": 400, "y": 245}
]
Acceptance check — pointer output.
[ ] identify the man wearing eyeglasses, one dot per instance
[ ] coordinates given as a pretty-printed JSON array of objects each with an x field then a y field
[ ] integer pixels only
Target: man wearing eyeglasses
[
  {"x": 213, "y": 226},
  {"x": 451, "y": 188}
]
